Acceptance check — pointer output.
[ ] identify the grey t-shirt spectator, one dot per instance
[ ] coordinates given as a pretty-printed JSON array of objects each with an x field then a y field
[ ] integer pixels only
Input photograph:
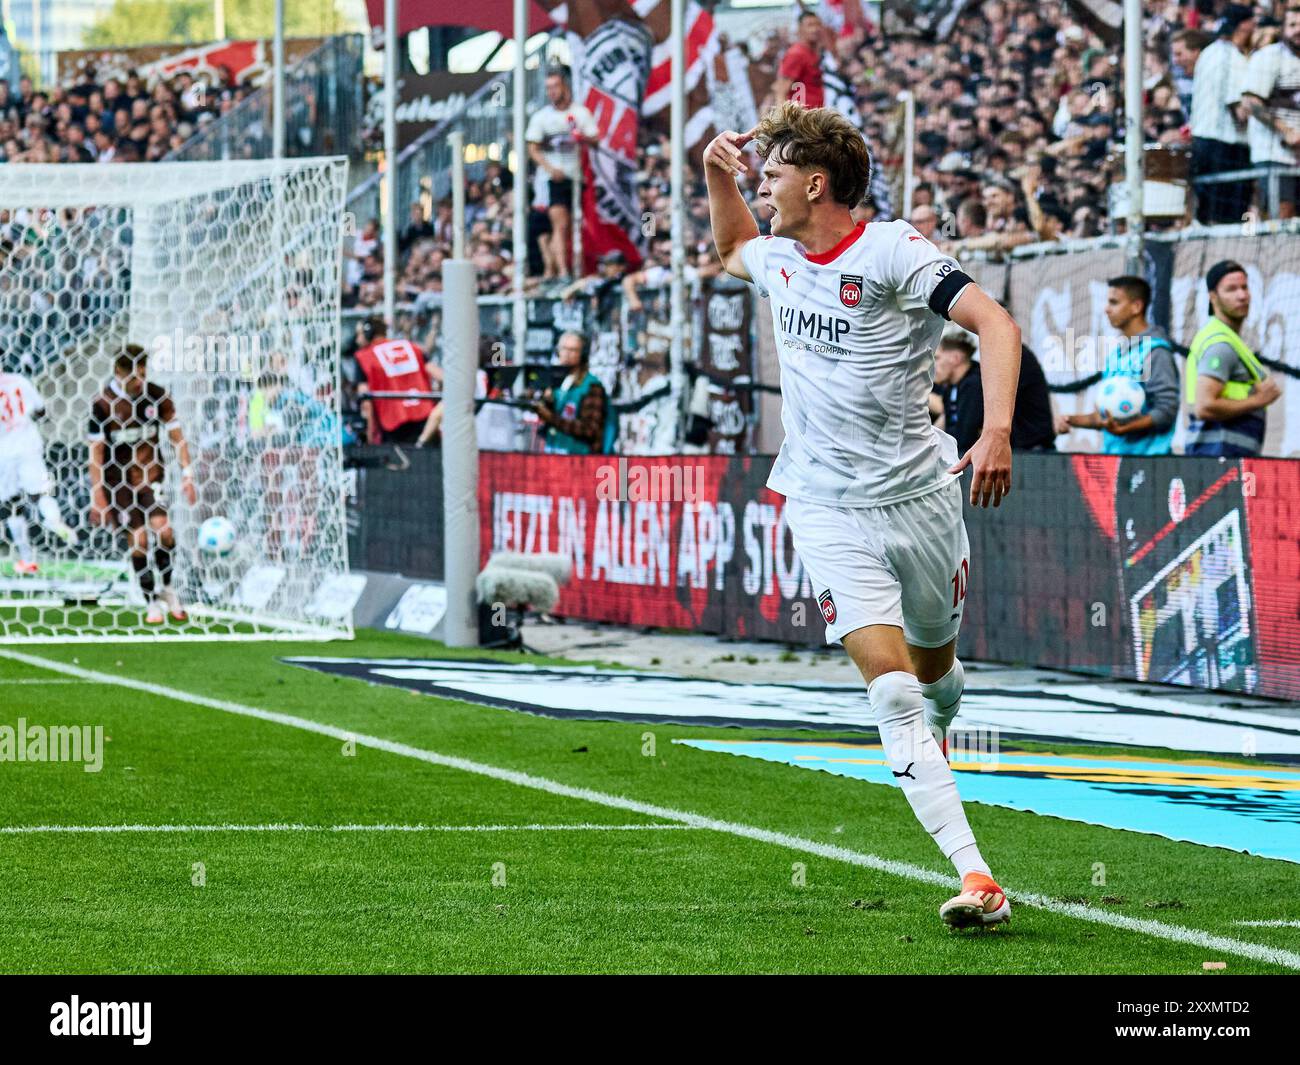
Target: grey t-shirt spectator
[
  {"x": 1246, "y": 431},
  {"x": 1161, "y": 384}
]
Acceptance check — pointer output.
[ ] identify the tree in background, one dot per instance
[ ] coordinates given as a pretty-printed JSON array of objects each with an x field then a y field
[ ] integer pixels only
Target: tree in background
[{"x": 134, "y": 22}]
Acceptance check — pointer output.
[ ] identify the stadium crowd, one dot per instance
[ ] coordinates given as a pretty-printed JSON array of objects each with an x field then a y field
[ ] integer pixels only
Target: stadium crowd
[
  {"x": 118, "y": 120},
  {"x": 1018, "y": 136},
  {"x": 1019, "y": 118}
]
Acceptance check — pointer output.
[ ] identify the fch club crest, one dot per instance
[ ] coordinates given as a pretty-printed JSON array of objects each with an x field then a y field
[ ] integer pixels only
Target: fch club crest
[
  {"x": 828, "y": 606},
  {"x": 850, "y": 289}
]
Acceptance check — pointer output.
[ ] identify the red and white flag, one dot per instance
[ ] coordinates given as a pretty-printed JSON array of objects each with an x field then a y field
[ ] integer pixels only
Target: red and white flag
[
  {"x": 701, "y": 50},
  {"x": 622, "y": 72}
]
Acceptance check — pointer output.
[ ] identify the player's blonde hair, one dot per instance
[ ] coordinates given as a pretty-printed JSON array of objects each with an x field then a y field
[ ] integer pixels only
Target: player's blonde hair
[{"x": 817, "y": 138}]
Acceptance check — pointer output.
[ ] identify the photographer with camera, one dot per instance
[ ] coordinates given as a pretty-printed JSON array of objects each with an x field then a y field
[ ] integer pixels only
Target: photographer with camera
[{"x": 575, "y": 414}]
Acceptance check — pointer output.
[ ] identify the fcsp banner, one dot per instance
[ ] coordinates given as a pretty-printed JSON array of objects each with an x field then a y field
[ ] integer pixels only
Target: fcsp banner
[{"x": 622, "y": 72}]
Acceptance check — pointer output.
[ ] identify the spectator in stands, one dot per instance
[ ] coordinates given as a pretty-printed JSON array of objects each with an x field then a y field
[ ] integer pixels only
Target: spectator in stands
[
  {"x": 442, "y": 229},
  {"x": 364, "y": 245},
  {"x": 958, "y": 391},
  {"x": 417, "y": 228},
  {"x": 959, "y": 394},
  {"x": 605, "y": 285},
  {"x": 497, "y": 179},
  {"x": 1031, "y": 425},
  {"x": 799, "y": 77},
  {"x": 1185, "y": 51},
  {"x": 576, "y": 413},
  {"x": 1142, "y": 352},
  {"x": 553, "y": 136},
  {"x": 972, "y": 219},
  {"x": 866, "y": 211},
  {"x": 1271, "y": 93},
  {"x": 393, "y": 366},
  {"x": 1219, "y": 143},
  {"x": 925, "y": 221},
  {"x": 1227, "y": 387},
  {"x": 1006, "y": 223}
]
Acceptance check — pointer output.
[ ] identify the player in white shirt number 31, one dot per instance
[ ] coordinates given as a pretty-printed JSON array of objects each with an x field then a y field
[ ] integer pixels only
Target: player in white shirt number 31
[{"x": 872, "y": 488}]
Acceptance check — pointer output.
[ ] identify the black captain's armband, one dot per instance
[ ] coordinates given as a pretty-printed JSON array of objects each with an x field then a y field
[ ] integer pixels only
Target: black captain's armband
[{"x": 946, "y": 290}]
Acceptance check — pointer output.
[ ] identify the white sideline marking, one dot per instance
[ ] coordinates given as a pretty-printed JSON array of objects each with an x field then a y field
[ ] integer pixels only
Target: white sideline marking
[
  {"x": 1156, "y": 929},
  {"x": 1268, "y": 924},
  {"x": 25, "y": 680},
  {"x": 24, "y": 830}
]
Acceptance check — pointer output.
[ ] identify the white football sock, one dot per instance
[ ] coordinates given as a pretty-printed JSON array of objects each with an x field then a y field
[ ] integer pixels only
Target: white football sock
[
  {"x": 969, "y": 860},
  {"x": 49, "y": 511},
  {"x": 916, "y": 761},
  {"x": 943, "y": 700},
  {"x": 17, "y": 526}
]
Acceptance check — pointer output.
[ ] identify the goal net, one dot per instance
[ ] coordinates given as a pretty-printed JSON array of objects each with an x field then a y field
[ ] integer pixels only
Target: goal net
[{"x": 226, "y": 277}]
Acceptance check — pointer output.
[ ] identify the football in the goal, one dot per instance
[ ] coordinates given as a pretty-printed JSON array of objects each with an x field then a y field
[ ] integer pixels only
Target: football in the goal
[{"x": 217, "y": 537}]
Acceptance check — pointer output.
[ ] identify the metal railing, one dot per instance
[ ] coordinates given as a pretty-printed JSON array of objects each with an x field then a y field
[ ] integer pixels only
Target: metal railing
[
  {"x": 1269, "y": 176},
  {"x": 423, "y": 167},
  {"x": 323, "y": 111}
]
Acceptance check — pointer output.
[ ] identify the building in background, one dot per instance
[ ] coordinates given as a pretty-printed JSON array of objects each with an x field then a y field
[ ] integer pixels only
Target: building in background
[{"x": 43, "y": 27}]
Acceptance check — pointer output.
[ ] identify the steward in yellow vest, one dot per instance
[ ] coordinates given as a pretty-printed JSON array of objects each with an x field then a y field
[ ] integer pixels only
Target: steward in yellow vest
[{"x": 1226, "y": 386}]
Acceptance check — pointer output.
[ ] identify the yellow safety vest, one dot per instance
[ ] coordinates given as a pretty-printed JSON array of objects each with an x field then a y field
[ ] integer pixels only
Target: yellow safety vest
[{"x": 1212, "y": 332}]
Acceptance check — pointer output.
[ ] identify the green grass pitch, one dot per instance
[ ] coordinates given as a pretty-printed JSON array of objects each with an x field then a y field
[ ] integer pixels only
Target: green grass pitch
[{"x": 514, "y": 899}]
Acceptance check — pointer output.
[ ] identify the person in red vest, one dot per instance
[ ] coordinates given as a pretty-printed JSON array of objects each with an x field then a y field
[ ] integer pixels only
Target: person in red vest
[
  {"x": 393, "y": 366},
  {"x": 799, "y": 78}
]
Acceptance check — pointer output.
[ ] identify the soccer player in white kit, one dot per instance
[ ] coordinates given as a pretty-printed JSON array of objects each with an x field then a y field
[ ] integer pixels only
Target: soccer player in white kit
[
  {"x": 23, "y": 476},
  {"x": 873, "y": 492}
]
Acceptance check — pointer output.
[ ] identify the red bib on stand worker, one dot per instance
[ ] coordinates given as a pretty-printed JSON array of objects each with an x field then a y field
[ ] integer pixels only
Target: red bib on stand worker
[{"x": 394, "y": 365}]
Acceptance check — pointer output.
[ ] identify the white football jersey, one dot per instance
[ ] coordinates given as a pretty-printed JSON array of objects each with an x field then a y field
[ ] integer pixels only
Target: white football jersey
[
  {"x": 19, "y": 400},
  {"x": 856, "y": 329}
]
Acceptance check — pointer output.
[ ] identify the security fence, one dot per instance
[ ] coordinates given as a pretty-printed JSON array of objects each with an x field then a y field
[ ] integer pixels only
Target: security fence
[
  {"x": 423, "y": 167},
  {"x": 323, "y": 111}
]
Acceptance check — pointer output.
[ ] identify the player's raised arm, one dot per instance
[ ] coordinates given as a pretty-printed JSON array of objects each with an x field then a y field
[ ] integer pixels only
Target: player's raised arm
[
  {"x": 729, "y": 214},
  {"x": 990, "y": 457}
]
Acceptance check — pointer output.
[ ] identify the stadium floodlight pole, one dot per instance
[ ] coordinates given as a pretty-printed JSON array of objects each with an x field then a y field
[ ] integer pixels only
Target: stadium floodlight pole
[
  {"x": 460, "y": 452},
  {"x": 909, "y": 149},
  {"x": 456, "y": 141},
  {"x": 219, "y": 19},
  {"x": 277, "y": 83},
  {"x": 677, "y": 154},
  {"x": 389, "y": 186},
  {"x": 1133, "y": 146},
  {"x": 520, "y": 186}
]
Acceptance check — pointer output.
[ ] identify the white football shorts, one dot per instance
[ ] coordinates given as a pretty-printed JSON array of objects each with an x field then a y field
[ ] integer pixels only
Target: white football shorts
[
  {"x": 905, "y": 564},
  {"x": 22, "y": 466}
]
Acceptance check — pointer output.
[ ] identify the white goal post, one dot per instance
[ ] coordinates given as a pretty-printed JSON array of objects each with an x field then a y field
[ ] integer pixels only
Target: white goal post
[{"x": 227, "y": 275}]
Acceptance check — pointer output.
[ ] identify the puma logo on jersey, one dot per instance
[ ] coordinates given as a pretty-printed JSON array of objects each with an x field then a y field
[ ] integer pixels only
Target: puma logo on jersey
[
  {"x": 787, "y": 276},
  {"x": 906, "y": 772},
  {"x": 814, "y": 326}
]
